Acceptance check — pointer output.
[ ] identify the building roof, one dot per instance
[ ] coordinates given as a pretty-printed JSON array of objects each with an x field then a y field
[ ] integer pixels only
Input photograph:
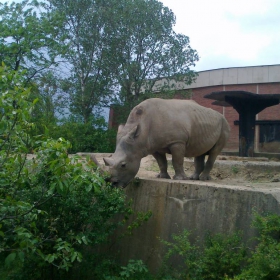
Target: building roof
[
  {"x": 232, "y": 76},
  {"x": 243, "y": 100}
]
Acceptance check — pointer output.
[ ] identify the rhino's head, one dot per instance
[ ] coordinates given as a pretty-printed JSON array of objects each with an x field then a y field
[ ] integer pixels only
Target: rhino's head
[{"x": 125, "y": 162}]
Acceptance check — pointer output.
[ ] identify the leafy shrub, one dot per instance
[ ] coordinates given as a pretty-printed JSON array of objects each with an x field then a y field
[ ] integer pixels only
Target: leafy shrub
[
  {"x": 135, "y": 270},
  {"x": 181, "y": 248},
  {"x": 226, "y": 257},
  {"x": 223, "y": 255},
  {"x": 264, "y": 262},
  {"x": 220, "y": 256},
  {"x": 53, "y": 208}
]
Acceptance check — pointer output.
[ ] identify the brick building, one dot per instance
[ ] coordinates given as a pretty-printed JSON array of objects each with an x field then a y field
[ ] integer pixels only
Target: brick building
[{"x": 256, "y": 79}]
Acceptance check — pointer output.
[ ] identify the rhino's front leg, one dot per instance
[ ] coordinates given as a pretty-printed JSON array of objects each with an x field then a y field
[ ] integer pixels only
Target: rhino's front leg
[
  {"x": 162, "y": 163},
  {"x": 178, "y": 154}
]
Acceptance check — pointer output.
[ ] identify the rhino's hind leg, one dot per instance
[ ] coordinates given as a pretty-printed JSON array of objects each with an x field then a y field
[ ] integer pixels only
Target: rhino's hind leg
[
  {"x": 198, "y": 167},
  {"x": 178, "y": 152},
  {"x": 208, "y": 167},
  {"x": 213, "y": 153},
  {"x": 162, "y": 163}
]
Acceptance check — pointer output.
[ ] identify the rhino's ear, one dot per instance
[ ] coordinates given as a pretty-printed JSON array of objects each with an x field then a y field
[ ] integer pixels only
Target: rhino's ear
[
  {"x": 133, "y": 133},
  {"x": 108, "y": 161},
  {"x": 120, "y": 128}
]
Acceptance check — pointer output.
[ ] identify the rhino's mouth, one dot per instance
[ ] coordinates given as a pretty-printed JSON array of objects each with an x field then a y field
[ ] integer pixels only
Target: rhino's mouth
[{"x": 115, "y": 184}]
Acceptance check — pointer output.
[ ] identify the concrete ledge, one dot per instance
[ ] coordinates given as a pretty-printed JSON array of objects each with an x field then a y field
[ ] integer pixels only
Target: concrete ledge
[{"x": 200, "y": 207}]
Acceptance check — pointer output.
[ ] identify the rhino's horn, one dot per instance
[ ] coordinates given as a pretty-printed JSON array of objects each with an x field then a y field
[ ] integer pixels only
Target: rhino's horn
[
  {"x": 108, "y": 161},
  {"x": 93, "y": 158},
  {"x": 102, "y": 169}
]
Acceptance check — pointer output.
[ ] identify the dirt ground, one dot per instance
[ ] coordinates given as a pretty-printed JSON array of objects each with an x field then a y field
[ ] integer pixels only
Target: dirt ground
[{"x": 228, "y": 170}]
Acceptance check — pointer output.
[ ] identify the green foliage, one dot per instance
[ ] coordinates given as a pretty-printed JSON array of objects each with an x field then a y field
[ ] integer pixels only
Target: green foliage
[
  {"x": 141, "y": 218},
  {"x": 14, "y": 114},
  {"x": 86, "y": 137},
  {"x": 219, "y": 257},
  {"x": 28, "y": 37},
  {"x": 89, "y": 83},
  {"x": 264, "y": 262},
  {"x": 226, "y": 257},
  {"x": 28, "y": 186},
  {"x": 53, "y": 208},
  {"x": 144, "y": 48},
  {"x": 51, "y": 105},
  {"x": 135, "y": 270},
  {"x": 181, "y": 246},
  {"x": 222, "y": 256}
]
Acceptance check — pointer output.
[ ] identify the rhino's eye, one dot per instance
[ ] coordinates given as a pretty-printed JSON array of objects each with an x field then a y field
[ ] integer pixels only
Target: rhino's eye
[{"x": 123, "y": 164}]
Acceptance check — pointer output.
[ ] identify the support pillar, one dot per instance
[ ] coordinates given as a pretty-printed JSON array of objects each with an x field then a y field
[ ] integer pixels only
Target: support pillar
[
  {"x": 246, "y": 133},
  {"x": 248, "y": 105}
]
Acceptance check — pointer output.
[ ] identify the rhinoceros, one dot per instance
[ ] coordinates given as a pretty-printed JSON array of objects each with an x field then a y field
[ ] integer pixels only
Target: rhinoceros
[{"x": 158, "y": 127}]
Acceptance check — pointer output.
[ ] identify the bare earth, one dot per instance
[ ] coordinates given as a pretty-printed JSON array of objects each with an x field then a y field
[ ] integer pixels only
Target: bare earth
[{"x": 228, "y": 170}]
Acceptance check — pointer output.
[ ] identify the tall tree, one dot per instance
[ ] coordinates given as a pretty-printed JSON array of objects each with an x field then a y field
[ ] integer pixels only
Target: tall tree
[
  {"x": 90, "y": 83},
  {"x": 120, "y": 46},
  {"x": 144, "y": 48}
]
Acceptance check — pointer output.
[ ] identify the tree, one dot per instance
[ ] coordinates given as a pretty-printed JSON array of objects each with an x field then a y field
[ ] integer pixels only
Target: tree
[
  {"x": 122, "y": 47},
  {"x": 52, "y": 106},
  {"x": 146, "y": 53},
  {"x": 27, "y": 35},
  {"x": 89, "y": 85},
  {"x": 28, "y": 42}
]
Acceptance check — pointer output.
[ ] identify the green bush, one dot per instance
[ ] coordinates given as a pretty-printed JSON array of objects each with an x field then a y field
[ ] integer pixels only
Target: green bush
[
  {"x": 182, "y": 249},
  {"x": 223, "y": 256},
  {"x": 54, "y": 210},
  {"x": 220, "y": 256},
  {"x": 264, "y": 263},
  {"x": 135, "y": 270},
  {"x": 226, "y": 257}
]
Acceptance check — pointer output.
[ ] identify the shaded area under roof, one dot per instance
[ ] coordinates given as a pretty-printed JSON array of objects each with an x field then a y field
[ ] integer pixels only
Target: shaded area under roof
[{"x": 247, "y": 104}]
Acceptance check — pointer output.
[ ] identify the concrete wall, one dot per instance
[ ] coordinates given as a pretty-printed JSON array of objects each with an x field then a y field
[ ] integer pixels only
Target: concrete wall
[{"x": 198, "y": 207}]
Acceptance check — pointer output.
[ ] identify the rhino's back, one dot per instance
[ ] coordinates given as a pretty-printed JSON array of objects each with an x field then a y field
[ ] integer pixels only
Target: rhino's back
[{"x": 164, "y": 122}]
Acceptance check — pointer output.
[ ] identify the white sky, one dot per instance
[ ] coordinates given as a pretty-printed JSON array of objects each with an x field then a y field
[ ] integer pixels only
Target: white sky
[{"x": 230, "y": 33}]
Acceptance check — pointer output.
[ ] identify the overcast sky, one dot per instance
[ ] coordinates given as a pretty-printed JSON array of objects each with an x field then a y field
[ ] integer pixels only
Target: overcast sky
[{"x": 230, "y": 33}]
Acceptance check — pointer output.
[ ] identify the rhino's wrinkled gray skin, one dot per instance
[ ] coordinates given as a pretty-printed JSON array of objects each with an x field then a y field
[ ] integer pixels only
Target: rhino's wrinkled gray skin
[{"x": 178, "y": 127}]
